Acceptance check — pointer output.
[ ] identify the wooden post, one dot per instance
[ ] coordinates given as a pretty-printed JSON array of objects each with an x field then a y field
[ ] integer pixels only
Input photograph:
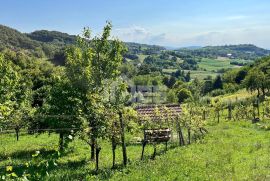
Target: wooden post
[
  {"x": 136, "y": 93},
  {"x": 189, "y": 136},
  {"x": 61, "y": 141},
  {"x": 258, "y": 107},
  {"x": 152, "y": 94},
  {"x": 218, "y": 115},
  {"x": 230, "y": 111}
]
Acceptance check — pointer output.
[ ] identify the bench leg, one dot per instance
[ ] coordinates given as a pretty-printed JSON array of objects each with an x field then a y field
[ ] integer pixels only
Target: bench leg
[
  {"x": 155, "y": 152},
  {"x": 143, "y": 145}
]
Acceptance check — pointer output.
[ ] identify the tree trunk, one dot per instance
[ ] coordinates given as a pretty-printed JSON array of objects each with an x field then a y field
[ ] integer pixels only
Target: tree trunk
[
  {"x": 97, "y": 156},
  {"x": 189, "y": 136},
  {"x": 204, "y": 115},
  {"x": 124, "y": 149},
  {"x": 92, "y": 145},
  {"x": 113, "y": 151},
  {"x": 61, "y": 141},
  {"x": 17, "y": 133},
  {"x": 253, "y": 112}
]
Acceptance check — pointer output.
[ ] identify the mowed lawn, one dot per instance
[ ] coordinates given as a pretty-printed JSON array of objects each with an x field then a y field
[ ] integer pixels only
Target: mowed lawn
[{"x": 230, "y": 151}]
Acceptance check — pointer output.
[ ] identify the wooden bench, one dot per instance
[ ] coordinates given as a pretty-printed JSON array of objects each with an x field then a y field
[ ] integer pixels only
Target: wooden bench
[{"x": 162, "y": 135}]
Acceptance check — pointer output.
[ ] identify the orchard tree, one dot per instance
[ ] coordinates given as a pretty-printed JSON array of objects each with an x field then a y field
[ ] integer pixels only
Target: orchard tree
[
  {"x": 61, "y": 112},
  {"x": 119, "y": 98},
  {"x": 90, "y": 65},
  {"x": 15, "y": 96},
  {"x": 8, "y": 85},
  {"x": 256, "y": 81}
]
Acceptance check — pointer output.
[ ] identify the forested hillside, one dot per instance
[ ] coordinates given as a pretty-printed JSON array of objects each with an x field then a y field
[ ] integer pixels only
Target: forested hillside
[{"x": 51, "y": 44}]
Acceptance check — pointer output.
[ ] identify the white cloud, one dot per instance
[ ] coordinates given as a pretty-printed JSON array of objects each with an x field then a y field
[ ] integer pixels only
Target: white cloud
[
  {"x": 254, "y": 35},
  {"x": 140, "y": 35}
]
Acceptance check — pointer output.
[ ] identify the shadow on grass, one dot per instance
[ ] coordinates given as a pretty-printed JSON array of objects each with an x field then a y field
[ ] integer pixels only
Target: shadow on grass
[
  {"x": 76, "y": 170},
  {"x": 25, "y": 154}
]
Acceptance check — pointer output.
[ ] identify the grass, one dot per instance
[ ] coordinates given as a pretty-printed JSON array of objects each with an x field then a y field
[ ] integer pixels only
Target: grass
[
  {"x": 241, "y": 94},
  {"x": 215, "y": 64},
  {"x": 231, "y": 151},
  {"x": 193, "y": 73},
  {"x": 201, "y": 74}
]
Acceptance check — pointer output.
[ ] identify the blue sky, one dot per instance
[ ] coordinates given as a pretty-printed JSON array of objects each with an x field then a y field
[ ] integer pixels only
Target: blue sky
[{"x": 174, "y": 23}]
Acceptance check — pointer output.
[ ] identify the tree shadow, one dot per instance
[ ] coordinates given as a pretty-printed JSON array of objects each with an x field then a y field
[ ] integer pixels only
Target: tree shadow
[
  {"x": 25, "y": 154},
  {"x": 103, "y": 173}
]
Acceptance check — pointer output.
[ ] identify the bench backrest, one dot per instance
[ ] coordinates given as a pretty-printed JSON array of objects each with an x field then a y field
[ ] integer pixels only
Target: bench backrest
[{"x": 157, "y": 135}]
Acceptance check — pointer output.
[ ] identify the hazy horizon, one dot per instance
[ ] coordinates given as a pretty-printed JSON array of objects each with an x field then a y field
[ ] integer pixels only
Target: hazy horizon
[{"x": 172, "y": 24}]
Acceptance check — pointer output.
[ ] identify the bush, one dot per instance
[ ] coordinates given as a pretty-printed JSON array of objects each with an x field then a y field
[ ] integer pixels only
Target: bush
[
  {"x": 183, "y": 94},
  {"x": 172, "y": 97}
]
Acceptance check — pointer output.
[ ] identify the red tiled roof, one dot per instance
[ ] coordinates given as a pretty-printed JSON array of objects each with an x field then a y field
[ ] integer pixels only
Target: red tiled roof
[{"x": 165, "y": 110}]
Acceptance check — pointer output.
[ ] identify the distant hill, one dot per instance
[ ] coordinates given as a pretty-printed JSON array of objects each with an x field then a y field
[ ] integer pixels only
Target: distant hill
[
  {"x": 192, "y": 47},
  {"x": 54, "y": 37},
  {"x": 13, "y": 39},
  {"x": 242, "y": 51},
  {"x": 51, "y": 44}
]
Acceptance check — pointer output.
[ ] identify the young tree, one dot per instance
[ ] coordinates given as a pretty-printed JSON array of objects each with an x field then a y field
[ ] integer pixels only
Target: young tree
[
  {"x": 118, "y": 101},
  {"x": 92, "y": 63}
]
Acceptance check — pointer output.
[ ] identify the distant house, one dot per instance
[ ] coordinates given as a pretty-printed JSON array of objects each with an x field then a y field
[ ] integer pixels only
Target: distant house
[{"x": 229, "y": 55}]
